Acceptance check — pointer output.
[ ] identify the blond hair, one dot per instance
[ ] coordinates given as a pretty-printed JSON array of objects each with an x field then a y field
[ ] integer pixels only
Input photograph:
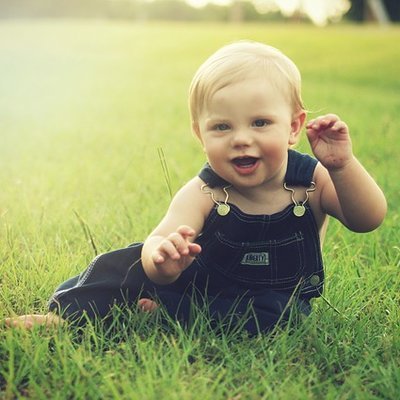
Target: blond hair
[{"x": 240, "y": 60}]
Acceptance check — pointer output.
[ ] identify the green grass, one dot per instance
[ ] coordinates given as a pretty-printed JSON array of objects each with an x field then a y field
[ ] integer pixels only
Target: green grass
[{"x": 84, "y": 109}]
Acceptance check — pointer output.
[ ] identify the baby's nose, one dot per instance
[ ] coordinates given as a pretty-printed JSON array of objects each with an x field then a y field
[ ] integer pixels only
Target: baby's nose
[{"x": 242, "y": 138}]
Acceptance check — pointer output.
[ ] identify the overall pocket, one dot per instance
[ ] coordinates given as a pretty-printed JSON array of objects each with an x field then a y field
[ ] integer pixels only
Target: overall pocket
[{"x": 275, "y": 263}]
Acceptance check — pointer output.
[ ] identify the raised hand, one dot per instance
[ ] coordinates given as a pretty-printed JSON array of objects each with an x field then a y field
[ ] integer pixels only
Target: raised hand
[
  {"x": 175, "y": 252},
  {"x": 330, "y": 141}
]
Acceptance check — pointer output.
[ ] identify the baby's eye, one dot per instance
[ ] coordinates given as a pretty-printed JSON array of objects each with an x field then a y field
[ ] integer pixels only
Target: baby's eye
[
  {"x": 260, "y": 123},
  {"x": 221, "y": 127}
]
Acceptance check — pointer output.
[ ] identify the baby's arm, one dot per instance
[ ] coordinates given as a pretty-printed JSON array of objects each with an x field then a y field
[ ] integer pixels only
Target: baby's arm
[
  {"x": 169, "y": 249},
  {"x": 348, "y": 192}
]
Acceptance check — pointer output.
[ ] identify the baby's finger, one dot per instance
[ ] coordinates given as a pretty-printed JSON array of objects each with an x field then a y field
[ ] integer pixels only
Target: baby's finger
[
  {"x": 339, "y": 126},
  {"x": 331, "y": 117},
  {"x": 157, "y": 257},
  {"x": 165, "y": 250},
  {"x": 185, "y": 231},
  {"x": 310, "y": 123},
  {"x": 179, "y": 242},
  {"x": 194, "y": 249},
  {"x": 323, "y": 122}
]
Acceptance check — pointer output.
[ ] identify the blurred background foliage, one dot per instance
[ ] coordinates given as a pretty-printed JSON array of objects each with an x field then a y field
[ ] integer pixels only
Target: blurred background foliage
[{"x": 197, "y": 10}]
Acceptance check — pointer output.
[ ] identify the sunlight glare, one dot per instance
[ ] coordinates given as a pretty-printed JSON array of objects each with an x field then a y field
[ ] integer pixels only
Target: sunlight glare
[
  {"x": 320, "y": 12},
  {"x": 202, "y": 3}
]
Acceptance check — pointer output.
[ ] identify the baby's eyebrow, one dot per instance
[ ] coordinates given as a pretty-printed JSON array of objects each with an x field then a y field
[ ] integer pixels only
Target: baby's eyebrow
[{"x": 216, "y": 120}]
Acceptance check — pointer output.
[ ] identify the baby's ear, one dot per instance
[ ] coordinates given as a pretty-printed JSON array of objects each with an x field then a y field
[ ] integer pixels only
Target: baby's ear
[{"x": 296, "y": 126}]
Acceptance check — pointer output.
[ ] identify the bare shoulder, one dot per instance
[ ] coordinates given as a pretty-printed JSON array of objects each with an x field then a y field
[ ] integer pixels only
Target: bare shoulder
[
  {"x": 191, "y": 196},
  {"x": 190, "y": 206}
]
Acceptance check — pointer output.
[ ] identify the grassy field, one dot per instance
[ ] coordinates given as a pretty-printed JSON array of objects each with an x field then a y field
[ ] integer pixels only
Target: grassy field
[{"x": 84, "y": 109}]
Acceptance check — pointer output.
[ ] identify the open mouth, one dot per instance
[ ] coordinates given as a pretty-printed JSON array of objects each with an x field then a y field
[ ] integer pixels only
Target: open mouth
[{"x": 245, "y": 164}]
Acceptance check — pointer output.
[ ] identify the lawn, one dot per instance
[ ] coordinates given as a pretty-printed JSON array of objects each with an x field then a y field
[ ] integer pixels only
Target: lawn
[{"x": 86, "y": 107}]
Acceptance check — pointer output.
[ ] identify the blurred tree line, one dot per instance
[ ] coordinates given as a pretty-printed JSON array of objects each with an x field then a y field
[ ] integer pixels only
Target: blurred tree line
[
  {"x": 360, "y": 10},
  {"x": 239, "y": 10},
  {"x": 131, "y": 9}
]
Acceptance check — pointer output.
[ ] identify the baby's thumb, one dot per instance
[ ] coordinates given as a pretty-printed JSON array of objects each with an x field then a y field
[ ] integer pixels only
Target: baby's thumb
[{"x": 194, "y": 249}]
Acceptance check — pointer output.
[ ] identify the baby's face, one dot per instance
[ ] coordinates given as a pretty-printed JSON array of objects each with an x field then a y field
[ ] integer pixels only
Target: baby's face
[{"x": 246, "y": 129}]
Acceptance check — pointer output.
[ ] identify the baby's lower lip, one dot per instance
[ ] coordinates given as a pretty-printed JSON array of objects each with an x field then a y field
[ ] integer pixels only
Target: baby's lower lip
[{"x": 245, "y": 166}]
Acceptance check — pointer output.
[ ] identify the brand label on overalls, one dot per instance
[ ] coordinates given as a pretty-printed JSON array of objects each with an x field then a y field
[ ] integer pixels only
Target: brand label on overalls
[{"x": 255, "y": 259}]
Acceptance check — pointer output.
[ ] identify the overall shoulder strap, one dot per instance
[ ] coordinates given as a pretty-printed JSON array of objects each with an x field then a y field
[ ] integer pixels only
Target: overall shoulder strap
[
  {"x": 300, "y": 169},
  {"x": 211, "y": 178}
]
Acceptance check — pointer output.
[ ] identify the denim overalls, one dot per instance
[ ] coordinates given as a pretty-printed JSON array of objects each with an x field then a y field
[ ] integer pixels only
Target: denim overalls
[{"x": 269, "y": 262}]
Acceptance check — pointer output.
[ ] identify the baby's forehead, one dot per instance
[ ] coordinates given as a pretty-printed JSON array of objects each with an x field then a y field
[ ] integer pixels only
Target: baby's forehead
[
  {"x": 259, "y": 83},
  {"x": 237, "y": 70},
  {"x": 255, "y": 90}
]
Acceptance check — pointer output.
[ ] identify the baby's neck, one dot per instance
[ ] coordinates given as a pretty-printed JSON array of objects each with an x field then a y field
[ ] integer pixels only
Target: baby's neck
[{"x": 260, "y": 200}]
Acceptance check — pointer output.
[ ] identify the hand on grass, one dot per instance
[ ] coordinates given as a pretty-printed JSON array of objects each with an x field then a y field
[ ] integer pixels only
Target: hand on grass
[{"x": 330, "y": 141}]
